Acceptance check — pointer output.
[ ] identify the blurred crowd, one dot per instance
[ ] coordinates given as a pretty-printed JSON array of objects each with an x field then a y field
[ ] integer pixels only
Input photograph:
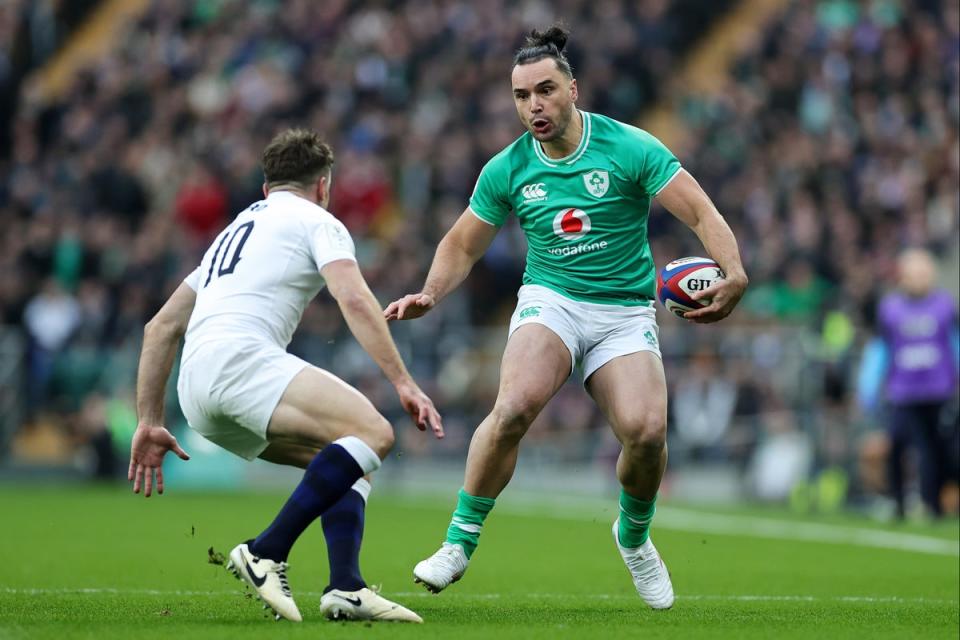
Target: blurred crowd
[
  {"x": 30, "y": 33},
  {"x": 832, "y": 145}
]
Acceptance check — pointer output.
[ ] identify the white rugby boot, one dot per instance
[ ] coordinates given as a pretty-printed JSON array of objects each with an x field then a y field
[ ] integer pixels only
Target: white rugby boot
[
  {"x": 441, "y": 569},
  {"x": 268, "y": 579},
  {"x": 650, "y": 575},
  {"x": 365, "y": 604}
]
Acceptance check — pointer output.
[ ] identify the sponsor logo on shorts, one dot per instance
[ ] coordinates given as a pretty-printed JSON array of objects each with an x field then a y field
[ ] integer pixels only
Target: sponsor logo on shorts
[
  {"x": 651, "y": 339},
  {"x": 535, "y": 192},
  {"x": 529, "y": 312}
]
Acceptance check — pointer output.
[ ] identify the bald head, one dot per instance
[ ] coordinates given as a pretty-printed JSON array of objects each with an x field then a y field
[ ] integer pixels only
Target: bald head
[{"x": 917, "y": 272}]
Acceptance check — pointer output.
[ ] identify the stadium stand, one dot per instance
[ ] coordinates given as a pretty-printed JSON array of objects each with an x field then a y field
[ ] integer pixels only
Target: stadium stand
[{"x": 831, "y": 143}]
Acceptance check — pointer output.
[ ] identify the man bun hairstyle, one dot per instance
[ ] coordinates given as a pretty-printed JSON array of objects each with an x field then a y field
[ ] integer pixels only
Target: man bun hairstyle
[
  {"x": 546, "y": 44},
  {"x": 296, "y": 157}
]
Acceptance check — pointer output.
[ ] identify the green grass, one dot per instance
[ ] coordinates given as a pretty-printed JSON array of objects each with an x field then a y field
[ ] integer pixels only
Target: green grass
[{"x": 101, "y": 563}]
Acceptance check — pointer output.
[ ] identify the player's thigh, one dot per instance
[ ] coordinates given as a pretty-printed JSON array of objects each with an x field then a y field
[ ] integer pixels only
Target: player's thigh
[
  {"x": 631, "y": 391},
  {"x": 289, "y": 453},
  {"x": 536, "y": 363},
  {"x": 317, "y": 407}
]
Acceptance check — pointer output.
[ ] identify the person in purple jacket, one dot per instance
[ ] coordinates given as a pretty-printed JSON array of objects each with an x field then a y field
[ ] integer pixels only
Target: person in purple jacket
[{"x": 913, "y": 361}]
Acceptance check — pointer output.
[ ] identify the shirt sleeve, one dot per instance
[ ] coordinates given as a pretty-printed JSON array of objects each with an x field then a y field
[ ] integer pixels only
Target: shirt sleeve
[
  {"x": 490, "y": 201},
  {"x": 193, "y": 279},
  {"x": 658, "y": 166},
  {"x": 873, "y": 371},
  {"x": 953, "y": 329},
  {"x": 331, "y": 241}
]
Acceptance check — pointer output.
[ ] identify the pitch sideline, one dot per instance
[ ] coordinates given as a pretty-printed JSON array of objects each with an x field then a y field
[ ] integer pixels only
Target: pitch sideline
[
  {"x": 694, "y": 521},
  {"x": 487, "y": 596}
]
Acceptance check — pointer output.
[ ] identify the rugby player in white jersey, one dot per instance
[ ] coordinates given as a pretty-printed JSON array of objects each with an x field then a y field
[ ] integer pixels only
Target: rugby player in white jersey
[{"x": 239, "y": 388}]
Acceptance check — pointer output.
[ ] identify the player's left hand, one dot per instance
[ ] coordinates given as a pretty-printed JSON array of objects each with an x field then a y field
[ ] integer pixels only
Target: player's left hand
[
  {"x": 724, "y": 294},
  {"x": 149, "y": 446}
]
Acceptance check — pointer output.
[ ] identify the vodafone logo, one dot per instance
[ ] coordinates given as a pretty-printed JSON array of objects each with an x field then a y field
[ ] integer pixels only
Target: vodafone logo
[{"x": 571, "y": 224}]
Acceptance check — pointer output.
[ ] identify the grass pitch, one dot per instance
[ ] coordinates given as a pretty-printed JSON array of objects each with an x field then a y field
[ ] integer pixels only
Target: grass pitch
[{"x": 101, "y": 563}]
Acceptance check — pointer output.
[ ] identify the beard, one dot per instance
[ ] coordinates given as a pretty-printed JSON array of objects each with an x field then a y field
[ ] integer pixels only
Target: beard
[{"x": 557, "y": 128}]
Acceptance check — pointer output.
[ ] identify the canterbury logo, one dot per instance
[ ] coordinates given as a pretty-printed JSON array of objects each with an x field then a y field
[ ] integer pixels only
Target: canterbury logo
[{"x": 534, "y": 191}]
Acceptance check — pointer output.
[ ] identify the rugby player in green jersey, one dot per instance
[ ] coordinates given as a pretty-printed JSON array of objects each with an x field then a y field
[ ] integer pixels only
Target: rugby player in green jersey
[{"x": 580, "y": 185}]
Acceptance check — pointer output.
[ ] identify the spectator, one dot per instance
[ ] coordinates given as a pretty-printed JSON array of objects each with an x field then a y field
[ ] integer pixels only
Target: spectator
[
  {"x": 915, "y": 358},
  {"x": 703, "y": 403},
  {"x": 50, "y": 319},
  {"x": 201, "y": 205},
  {"x": 832, "y": 145}
]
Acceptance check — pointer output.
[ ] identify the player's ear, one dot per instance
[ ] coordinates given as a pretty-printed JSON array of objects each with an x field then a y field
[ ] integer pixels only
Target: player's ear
[
  {"x": 573, "y": 90},
  {"x": 266, "y": 190},
  {"x": 323, "y": 190}
]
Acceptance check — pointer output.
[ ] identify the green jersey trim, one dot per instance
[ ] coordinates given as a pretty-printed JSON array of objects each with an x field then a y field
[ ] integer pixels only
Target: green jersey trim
[
  {"x": 483, "y": 218},
  {"x": 669, "y": 180},
  {"x": 573, "y": 157}
]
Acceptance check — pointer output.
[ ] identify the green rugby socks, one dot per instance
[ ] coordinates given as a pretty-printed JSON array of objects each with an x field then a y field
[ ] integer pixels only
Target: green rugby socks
[
  {"x": 635, "y": 518},
  {"x": 467, "y": 520}
]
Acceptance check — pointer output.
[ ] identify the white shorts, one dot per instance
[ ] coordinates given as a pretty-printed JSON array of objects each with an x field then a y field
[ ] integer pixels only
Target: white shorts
[
  {"x": 229, "y": 389},
  {"x": 594, "y": 333}
]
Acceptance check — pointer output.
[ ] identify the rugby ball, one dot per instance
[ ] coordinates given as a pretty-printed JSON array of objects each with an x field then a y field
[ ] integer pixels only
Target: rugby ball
[{"x": 681, "y": 279}]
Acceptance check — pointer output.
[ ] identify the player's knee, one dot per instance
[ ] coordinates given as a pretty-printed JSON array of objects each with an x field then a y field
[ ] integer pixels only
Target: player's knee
[
  {"x": 379, "y": 436},
  {"x": 512, "y": 417},
  {"x": 645, "y": 433}
]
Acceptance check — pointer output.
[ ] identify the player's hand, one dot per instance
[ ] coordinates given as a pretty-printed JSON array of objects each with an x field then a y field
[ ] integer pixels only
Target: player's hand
[
  {"x": 149, "y": 446},
  {"x": 416, "y": 403},
  {"x": 723, "y": 294},
  {"x": 409, "y": 306}
]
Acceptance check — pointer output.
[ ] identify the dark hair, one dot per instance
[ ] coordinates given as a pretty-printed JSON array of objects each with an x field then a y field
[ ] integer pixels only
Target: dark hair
[
  {"x": 296, "y": 156},
  {"x": 546, "y": 44}
]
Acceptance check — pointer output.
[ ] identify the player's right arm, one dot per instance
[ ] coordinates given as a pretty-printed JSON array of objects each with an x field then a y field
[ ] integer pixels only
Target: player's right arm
[
  {"x": 151, "y": 441},
  {"x": 459, "y": 250},
  {"x": 362, "y": 312}
]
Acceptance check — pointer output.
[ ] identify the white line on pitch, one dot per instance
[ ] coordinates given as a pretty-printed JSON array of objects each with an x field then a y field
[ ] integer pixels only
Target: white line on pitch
[
  {"x": 678, "y": 519},
  {"x": 688, "y": 520},
  {"x": 487, "y": 596}
]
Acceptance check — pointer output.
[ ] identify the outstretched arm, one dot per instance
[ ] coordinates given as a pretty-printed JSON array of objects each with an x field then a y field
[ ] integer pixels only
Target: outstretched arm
[
  {"x": 161, "y": 337},
  {"x": 684, "y": 198},
  {"x": 459, "y": 250},
  {"x": 362, "y": 312}
]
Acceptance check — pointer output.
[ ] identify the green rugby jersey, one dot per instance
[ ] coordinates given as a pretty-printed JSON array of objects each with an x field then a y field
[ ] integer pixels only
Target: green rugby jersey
[{"x": 584, "y": 216}]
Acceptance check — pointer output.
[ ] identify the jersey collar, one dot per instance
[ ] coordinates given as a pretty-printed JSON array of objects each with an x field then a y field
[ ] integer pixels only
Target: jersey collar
[{"x": 575, "y": 155}]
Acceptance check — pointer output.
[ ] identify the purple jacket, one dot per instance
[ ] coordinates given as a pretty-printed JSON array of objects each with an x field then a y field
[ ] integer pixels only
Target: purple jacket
[{"x": 918, "y": 333}]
